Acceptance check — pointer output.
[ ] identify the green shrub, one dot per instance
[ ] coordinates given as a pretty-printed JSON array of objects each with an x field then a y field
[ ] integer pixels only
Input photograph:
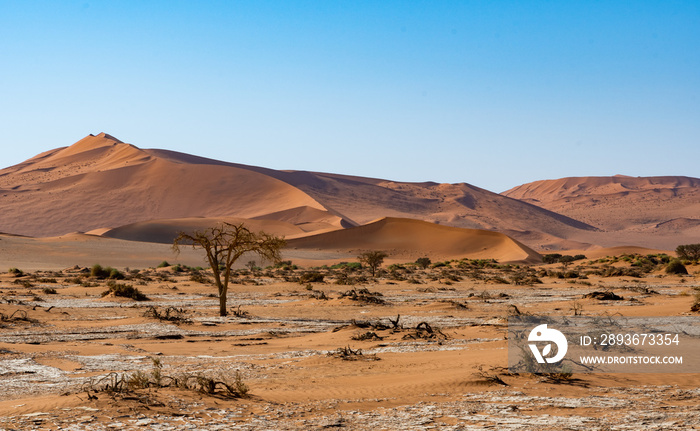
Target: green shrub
[
  {"x": 115, "y": 274},
  {"x": 347, "y": 266},
  {"x": 125, "y": 291},
  {"x": 559, "y": 258},
  {"x": 98, "y": 271},
  {"x": 423, "y": 262},
  {"x": 311, "y": 277},
  {"x": 676, "y": 267},
  {"x": 16, "y": 272},
  {"x": 163, "y": 264}
]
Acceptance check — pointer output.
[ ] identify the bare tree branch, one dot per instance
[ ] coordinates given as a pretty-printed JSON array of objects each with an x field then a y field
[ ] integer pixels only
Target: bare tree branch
[{"x": 224, "y": 245}]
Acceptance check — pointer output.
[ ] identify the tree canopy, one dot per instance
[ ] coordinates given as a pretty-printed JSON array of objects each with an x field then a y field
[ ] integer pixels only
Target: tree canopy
[
  {"x": 373, "y": 259},
  {"x": 224, "y": 245}
]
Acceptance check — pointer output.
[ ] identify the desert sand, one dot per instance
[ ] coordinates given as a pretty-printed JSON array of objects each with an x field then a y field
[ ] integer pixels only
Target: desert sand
[
  {"x": 60, "y": 351},
  {"x": 318, "y": 343}
]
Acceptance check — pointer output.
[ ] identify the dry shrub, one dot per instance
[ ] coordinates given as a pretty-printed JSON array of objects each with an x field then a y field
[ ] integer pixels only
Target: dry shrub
[
  {"x": 126, "y": 383},
  {"x": 364, "y": 295},
  {"x": 169, "y": 314},
  {"x": 347, "y": 354}
]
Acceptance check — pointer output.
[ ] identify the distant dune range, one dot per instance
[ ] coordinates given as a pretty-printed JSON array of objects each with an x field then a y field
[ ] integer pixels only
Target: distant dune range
[
  {"x": 105, "y": 187},
  {"x": 660, "y": 212}
]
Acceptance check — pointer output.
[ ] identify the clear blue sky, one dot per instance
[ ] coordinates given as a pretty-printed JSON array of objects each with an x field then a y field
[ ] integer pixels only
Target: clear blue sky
[{"x": 492, "y": 93}]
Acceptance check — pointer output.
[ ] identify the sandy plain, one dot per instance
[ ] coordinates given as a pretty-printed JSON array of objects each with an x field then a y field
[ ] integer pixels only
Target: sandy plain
[{"x": 58, "y": 351}]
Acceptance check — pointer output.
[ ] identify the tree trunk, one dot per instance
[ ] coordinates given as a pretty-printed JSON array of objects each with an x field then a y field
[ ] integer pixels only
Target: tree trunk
[{"x": 222, "y": 301}]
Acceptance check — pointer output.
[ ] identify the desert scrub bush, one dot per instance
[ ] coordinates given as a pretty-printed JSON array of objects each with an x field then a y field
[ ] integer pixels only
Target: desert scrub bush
[
  {"x": 101, "y": 273},
  {"x": 179, "y": 269},
  {"x": 396, "y": 267},
  {"x": 169, "y": 314},
  {"x": 285, "y": 265},
  {"x": 23, "y": 283},
  {"x": 347, "y": 266},
  {"x": 126, "y": 383},
  {"x": 395, "y": 274},
  {"x": 311, "y": 277},
  {"x": 163, "y": 264},
  {"x": 363, "y": 295},
  {"x": 318, "y": 294},
  {"x": 198, "y": 277},
  {"x": 423, "y": 262},
  {"x": 349, "y": 280},
  {"x": 559, "y": 258},
  {"x": 16, "y": 272},
  {"x": 525, "y": 276},
  {"x": 696, "y": 305},
  {"x": 612, "y": 271},
  {"x": 50, "y": 280},
  {"x": 676, "y": 267},
  {"x": 347, "y": 354},
  {"x": 450, "y": 275},
  {"x": 497, "y": 279},
  {"x": 425, "y": 331},
  {"x": 49, "y": 291},
  {"x": 125, "y": 291},
  {"x": 478, "y": 263},
  {"x": 367, "y": 336}
]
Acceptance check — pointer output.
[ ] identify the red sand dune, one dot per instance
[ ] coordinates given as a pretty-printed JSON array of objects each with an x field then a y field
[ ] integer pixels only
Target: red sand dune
[
  {"x": 411, "y": 239},
  {"x": 659, "y": 212},
  {"x": 102, "y": 183},
  {"x": 163, "y": 231}
]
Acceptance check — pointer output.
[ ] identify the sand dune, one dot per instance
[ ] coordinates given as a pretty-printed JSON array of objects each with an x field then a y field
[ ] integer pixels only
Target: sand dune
[
  {"x": 619, "y": 203},
  {"x": 359, "y": 200},
  {"x": 164, "y": 231},
  {"x": 410, "y": 239},
  {"x": 56, "y": 253},
  {"x": 101, "y": 182},
  {"x": 657, "y": 212},
  {"x": 459, "y": 205},
  {"x": 309, "y": 219}
]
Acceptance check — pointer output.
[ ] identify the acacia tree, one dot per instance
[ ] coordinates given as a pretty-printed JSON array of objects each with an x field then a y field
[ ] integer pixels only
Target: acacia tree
[
  {"x": 373, "y": 259},
  {"x": 224, "y": 245},
  {"x": 688, "y": 251}
]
